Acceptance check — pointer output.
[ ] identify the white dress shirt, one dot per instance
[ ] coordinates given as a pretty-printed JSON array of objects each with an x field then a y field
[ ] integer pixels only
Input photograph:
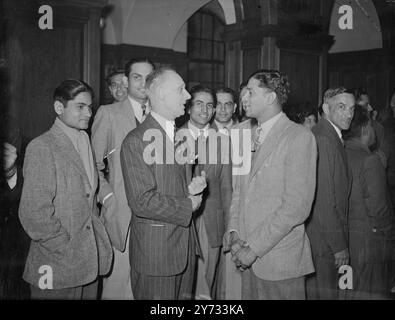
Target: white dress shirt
[
  {"x": 167, "y": 125},
  {"x": 12, "y": 181},
  {"x": 195, "y": 131},
  {"x": 137, "y": 109},
  {"x": 338, "y": 131},
  {"x": 264, "y": 128}
]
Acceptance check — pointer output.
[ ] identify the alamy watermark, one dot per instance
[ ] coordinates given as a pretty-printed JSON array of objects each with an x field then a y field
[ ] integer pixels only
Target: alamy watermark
[{"x": 234, "y": 149}]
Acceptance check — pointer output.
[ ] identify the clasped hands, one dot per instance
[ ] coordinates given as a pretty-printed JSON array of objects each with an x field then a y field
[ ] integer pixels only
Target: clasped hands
[
  {"x": 195, "y": 189},
  {"x": 242, "y": 255}
]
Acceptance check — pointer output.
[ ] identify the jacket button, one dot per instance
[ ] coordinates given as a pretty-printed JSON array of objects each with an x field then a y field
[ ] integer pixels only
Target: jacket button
[
  {"x": 87, "y": 195},
  {"x": 88, "y": 227}
]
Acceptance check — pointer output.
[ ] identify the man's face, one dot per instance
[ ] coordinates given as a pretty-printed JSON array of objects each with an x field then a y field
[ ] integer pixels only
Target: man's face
[
  {"x": 255, "y": 99},
  {"x": 136, "y": 80},
  {"x": 243, "y": 96},
  {"x": 174, "y": 94},
  {"x": 77, "y": 112},
  {"x": 340, "y": 110},
  {"x": 225, "y": 107},
  {"x": 310, "y": 122},
  {"x": 117, "y": 87},
  {"x": 202, "y": 109},
  {"x": 364, "y": 102}
]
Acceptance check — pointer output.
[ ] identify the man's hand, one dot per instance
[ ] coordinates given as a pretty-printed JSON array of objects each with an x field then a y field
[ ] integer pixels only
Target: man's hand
[
  {"x": 244, "y": 258},
  {"x": 230, "y": 238},
  {"x": 198, "y": 184},
  {"x": 341, "y": 258},
  {"x": 196, "y": 201},
  {"x": 10, "y": 156}
]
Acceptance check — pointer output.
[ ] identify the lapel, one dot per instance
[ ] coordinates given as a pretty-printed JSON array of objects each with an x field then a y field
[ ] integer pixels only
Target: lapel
[
  {"x": 269, "y": 145},
  {"x": 127, "y": 120},
  {"x": 203, "y": 166},
  {"x": 168, "y": 153},
  {"x": 65, "y": 147},
  {"x": 332, "y": 134}
]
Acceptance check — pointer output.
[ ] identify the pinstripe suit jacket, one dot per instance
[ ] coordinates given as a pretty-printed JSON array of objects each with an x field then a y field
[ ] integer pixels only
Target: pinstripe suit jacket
[
  {"x": 327, "y": 225},
  {"x": 157, "y": 195}
]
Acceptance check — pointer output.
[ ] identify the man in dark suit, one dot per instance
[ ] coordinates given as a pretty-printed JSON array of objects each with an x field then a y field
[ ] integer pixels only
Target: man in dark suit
[
  {"x": 327, "y": 226},
  {"x": 14, "y": 242},
  {"x": 162, "y": 243},
  {"x": 212, "y": 216},
  {"x": 111, "y": 125},
  {"x": 69, "y": 247}
]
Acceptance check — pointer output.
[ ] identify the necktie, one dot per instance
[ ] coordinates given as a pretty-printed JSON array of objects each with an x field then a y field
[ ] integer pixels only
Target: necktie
[{"x": 144, "y": 108}]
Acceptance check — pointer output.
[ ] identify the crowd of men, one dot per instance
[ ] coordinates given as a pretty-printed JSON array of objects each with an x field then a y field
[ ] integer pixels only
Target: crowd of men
[{"x": 120, "y": 207}]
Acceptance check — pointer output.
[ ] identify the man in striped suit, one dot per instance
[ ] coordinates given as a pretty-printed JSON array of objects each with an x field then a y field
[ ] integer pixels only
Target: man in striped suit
[{"x": 162, "y": 241}]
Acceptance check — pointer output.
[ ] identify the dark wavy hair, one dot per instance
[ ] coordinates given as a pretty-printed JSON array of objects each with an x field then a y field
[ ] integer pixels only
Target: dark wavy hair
[
  {"x": 275, "y": 81},
  {"x": 69, "y": 89}
]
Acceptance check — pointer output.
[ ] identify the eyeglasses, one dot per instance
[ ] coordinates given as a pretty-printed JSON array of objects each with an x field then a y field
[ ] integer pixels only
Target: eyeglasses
[{"x": 115, "y": 85}]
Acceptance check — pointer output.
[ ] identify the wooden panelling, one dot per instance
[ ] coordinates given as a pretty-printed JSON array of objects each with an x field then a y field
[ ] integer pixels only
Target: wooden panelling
[
  {"x": 38, "y": 60},
  {"x": 368, "y": 69},
  {"x": 251, "y": 61},
  {"x": 303, "y": 70}
]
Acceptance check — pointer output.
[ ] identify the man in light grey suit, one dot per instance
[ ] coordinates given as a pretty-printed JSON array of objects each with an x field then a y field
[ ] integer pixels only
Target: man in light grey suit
[
  {"x": 58, "y": 209},
  {"x": 270, "y": 204},
  {"x": 111, "y": 125},
  {"x": 162, "y": 241}
]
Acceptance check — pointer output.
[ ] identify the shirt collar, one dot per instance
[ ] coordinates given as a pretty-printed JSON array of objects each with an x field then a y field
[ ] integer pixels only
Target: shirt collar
[
  {"x": 137, "y": 110},
  {"x": 195, "y": 130},
  {"x": 220, "y": 125},
  {"x": 166, "y": 125},
  {"x": 72, "y": 133},
  {"x": 338, "y": 131},
  {"x": 266, "y": 126}
]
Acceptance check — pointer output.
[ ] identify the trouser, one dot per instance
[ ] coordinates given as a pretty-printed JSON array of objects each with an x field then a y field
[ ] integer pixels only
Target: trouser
[
  {"x": 254, "y": 288},
  {"x": 323, "y": 284},
  {"x": 175, "y": 287}
]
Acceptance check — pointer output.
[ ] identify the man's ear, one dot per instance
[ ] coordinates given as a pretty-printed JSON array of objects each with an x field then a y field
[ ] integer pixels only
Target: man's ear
[
  {"x": 59, "y": 108},
  {"x": 125, "y": 81},
  {"x": 272, "y": 96},
  {"x": 234, "y": 107},
  {"x": 325, "y": 108}
]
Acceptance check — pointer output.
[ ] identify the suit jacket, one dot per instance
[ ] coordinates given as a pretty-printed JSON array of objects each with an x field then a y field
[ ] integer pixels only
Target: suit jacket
[
  {"x": 111, "y": 125},
  {"x": 272, "y": 202},
  {"x": 370, "y": 215},
  {"x": 157, "y": 194},
  {"x": 58, "y": 210},
  {"x": 327, "y": 226},
  {"x": 218, "y": 193}
]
